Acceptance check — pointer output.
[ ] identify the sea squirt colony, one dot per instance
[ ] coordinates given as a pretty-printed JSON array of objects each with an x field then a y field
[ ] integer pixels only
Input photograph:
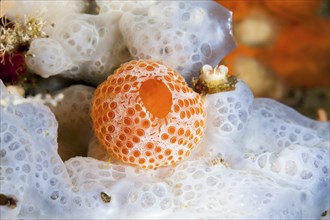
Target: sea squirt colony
[{"x": 145, "y": 114}]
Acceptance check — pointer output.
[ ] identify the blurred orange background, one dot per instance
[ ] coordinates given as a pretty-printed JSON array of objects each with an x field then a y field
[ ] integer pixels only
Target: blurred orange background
[
  {"x": 283, "y": 45},
  {"x": 298, "y": 45}
]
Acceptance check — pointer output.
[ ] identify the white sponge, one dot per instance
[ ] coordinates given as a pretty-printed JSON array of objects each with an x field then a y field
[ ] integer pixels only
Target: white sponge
[
  {"x": 33, "y": 176},
  {"x": 28, "y": 152},
  {"x": 216, "y": 192},
  {"x": 47, "y": 57},
  {"x": 300, "y": 167},
  {"x": 83, "y": 47},
  {"x": 281, "y": 127},
  {"x": 185, "y": 35},
  {"x": 289, "y": 182},
  {"x": 49, "y": 11},
  {"x": 228, "y": 114},
  {"x": 136, "y": 7},
  {"x": 79, "y": 37}
]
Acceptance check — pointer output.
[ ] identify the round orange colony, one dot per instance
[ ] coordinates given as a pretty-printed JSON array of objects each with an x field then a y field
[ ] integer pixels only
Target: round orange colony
[{"x": 146, "y": 115}]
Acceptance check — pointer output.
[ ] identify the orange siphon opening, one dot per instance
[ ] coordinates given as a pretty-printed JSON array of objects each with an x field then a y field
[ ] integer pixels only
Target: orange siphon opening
[{"x": 156, "y": 97}]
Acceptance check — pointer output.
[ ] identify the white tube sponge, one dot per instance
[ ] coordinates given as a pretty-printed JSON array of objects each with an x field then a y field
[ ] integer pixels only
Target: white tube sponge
[
  {"x": 276, "y": 141},
  {"x": 78, "y": 36},
  {"x": 46, "y": 57},
  {"x": 48, "y": 10},
  {"x": 91, "y": 47}
]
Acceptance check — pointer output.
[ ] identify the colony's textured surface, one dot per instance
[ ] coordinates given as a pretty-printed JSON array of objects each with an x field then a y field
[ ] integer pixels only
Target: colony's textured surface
[
  {"x": 225, "y": 179},
  {"x": 183, "y": 34},
  {"x": 145, "y": 114}
]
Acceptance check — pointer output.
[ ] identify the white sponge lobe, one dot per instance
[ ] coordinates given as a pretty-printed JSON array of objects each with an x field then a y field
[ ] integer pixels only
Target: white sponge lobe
[
  {"x": 204, "y": 190},
  {"x": 47, "y": 10},
  {"x": 186, "y": 35},
  {"x": 46, "y": 57},
  {"x": 79, "y": 37},
  {"x": 91, "y": 47},
  {"x": 136, "y": 7},
  {"x": 281, "y": 127}
]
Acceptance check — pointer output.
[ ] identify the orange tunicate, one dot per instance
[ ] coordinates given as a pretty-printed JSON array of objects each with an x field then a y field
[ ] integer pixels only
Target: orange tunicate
[{"x": 144, "y": 117}]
